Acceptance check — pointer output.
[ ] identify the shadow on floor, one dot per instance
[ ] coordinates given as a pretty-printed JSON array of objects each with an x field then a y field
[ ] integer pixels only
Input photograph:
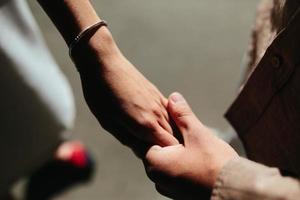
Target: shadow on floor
[{"x": 55, "y": 177}]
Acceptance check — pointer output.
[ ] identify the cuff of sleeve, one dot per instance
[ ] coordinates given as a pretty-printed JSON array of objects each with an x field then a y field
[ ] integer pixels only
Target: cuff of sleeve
[{"x": 238, "y": 179}]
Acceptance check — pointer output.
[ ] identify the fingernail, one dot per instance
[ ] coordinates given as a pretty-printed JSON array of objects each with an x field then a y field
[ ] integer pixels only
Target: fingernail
[{"x": 177, "y": 98}]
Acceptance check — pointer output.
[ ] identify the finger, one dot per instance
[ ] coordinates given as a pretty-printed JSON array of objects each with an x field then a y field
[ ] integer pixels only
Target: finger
[
  {"x": 138, "y": 146},
  {"x": 160, "y": 160},
  {"x": 164, "y": 138},
  {"x": 164, "y": 101},
  {"x": 163, "y": 116},
  {"x": 153, "y": 133},
  {"x": 164, "y": 120},
  {"x": 164, "y": 105},
  {"x": 176, "y": 132},
  {"x": 165, "y": 124},
  {"x": 182, "y": 115},
  {"x": 153, "y": 155}
]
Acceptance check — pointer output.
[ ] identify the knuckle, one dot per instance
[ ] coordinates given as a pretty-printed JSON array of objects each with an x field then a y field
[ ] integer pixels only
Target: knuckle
[
  {"x": 156, "y": 109},
  {"x": 147, "y": 122},
  {"x": 183, "y": 111},
  {"x": 183, "y": 123},
  {"x": 148, "y": 159},
  {"x": 157, "y": 112}
]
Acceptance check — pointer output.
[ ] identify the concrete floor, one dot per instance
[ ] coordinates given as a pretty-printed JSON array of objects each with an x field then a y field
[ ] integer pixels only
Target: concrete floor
[{"x": 195, "y": 47}]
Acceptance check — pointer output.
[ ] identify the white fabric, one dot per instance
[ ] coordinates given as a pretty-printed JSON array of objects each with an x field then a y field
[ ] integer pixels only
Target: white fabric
[
  {"x": 36, "y": 102},
  {"x": 21, "y": 42}
]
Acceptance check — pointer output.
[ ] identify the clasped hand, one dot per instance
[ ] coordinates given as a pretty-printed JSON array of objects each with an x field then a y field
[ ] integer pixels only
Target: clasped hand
[
  {"x": 137, "y": 114},
  {"x": 133, "y": 110}
]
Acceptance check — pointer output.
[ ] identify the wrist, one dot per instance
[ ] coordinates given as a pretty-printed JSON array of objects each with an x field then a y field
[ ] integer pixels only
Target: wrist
[
  {"x": 69, "y": 16},
  {"x": 103, "y": 44},
  {"x": 98, "y": 50},
  {"x": 219, "y": 169},
  {"x": 72, "y": 17},
  {"x": 221, "y": 154}
]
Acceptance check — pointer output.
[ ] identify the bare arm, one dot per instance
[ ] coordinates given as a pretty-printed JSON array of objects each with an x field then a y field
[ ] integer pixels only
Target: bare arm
[{"x": 122, "y": 99}]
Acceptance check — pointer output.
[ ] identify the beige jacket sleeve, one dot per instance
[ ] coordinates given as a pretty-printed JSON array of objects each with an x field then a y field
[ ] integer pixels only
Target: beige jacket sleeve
[{"x": 242, "y": 179}]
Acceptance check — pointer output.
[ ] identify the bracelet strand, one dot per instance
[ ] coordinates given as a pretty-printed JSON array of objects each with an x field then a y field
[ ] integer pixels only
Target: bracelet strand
[{"x": 82, "y": 34}]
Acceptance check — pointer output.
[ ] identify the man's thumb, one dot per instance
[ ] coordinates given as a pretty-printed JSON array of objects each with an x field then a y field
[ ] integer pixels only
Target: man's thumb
[{"x": 180, "y": 112}]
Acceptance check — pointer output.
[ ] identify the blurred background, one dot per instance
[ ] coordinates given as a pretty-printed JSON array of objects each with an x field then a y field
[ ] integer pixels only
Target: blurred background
[{"x": 195, "y": 47}]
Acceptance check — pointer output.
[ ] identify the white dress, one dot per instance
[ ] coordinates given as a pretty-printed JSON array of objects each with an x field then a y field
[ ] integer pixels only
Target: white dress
[{"x": 36, "y": 101}]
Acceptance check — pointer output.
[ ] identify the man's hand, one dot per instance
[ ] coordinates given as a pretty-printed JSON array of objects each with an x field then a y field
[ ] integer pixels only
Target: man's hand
[{"x": 187, "y": 171}]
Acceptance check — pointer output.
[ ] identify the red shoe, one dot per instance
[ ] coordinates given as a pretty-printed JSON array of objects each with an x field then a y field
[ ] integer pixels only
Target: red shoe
[
  {"x": 71, "y": 165},
  {"x": 73, "y": 153}
]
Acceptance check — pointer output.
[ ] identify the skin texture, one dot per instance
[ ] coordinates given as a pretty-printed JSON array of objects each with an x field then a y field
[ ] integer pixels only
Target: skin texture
[
  {"x": 188, "y": 170},
  {"x": 127, "y": 104},
  {"x": 123, "y": 100},
  {"x": 131, "y": 108}
]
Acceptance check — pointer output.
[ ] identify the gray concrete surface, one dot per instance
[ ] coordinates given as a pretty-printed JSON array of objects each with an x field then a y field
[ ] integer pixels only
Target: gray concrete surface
[{"x": 194, "y": 47}]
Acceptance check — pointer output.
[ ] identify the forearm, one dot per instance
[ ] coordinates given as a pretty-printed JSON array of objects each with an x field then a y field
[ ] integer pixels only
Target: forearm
[
  {"x": 123, "y": 100},
  {"x": 71, "y": 17}
]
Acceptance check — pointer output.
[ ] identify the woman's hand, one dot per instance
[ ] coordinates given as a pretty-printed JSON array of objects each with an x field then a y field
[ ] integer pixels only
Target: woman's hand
[
  {"x": 123, "y": 100},
  {"x": 187, "y": 171},
  {"x": 125, "y": 103}
]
